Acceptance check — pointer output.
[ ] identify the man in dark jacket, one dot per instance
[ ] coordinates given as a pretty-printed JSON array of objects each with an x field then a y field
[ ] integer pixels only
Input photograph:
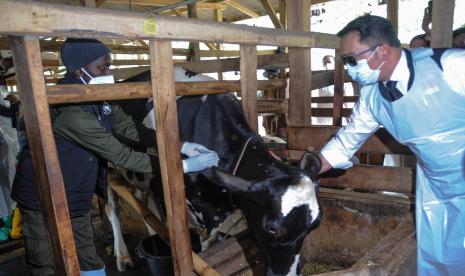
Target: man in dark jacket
[{"x": 85, "y": 140}]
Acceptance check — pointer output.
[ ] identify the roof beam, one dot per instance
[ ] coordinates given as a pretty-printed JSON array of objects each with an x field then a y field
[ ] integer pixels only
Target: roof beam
[
  {"x": 241, "y": 8},
  {"x": 272, "y": 13}
]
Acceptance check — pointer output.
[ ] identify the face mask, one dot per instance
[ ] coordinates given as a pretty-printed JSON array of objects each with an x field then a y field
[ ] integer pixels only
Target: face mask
[
  {"x": 362, "y": 73},
  {"x": 109, "y": 79}
]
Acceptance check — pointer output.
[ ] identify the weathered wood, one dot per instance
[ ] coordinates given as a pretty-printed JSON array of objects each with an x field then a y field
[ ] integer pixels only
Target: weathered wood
[
  {"x": 300, "y": 138},
  {"x": 272, "y": 106},
  {"x": 194, "y": 47},
  {"x": 200, "y": 266},
  {"x": 300, "y": 79},
  {"x": 396, "y": 252},
  {"x": 249, "y": 84},
  {"x": 371, "y": 178},
  {"x": 52, "y": 196},
  {"x": 164, "y": 99},
  {"x": 329, "y": 112},
  {"x": 442, "y": 23},
  {"x": 233, "y": 64},
  {"x": 272, "y": 13},
  {"x": 28, "y": 17},
  {"x": 235, "y": 5},
  {"x": 89, "y": 93},
  {"x": 329, "y": 99},
  {"x": 338, "y": 91},
  {"x": 393, "y": 13}
]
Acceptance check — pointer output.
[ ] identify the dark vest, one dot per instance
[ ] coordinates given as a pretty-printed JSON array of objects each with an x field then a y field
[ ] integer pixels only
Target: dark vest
[{"x": 83, "y": 172}]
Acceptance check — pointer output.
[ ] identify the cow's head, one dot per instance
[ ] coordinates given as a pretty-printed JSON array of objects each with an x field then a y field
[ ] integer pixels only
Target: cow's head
[{"x": 281, "y": 209}]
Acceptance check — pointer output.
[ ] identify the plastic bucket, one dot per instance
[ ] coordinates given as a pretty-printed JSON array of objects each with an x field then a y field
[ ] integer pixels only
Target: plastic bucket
[{"x": 158, "y": 255}]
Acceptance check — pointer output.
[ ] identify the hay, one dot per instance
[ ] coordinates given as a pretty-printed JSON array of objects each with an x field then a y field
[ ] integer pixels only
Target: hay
[{"x": 312, "y": 268}]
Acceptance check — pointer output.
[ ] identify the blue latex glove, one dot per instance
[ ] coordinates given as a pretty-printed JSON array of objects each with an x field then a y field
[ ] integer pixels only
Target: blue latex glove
[
  {"x": 200, "y": 162},
  {"x": 193, "y": 149}
]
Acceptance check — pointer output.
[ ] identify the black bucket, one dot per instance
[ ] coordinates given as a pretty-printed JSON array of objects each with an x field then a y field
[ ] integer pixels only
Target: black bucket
[{"x": 158, "y": 255}]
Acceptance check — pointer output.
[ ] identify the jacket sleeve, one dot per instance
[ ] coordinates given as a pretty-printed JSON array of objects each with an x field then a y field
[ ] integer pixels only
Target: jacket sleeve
[
  {"x": 83, "y": 128},
  {"x": 125, "y": 126},
  {"x": 340, "y": 149}
]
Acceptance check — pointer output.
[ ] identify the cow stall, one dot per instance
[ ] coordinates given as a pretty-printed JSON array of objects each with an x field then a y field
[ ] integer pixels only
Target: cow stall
[{"x": 365, "y": 229}]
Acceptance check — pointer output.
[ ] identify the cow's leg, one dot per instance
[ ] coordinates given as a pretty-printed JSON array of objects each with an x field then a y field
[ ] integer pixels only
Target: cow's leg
[
  {"x": 123, "y": 257},
  {"x": 143, "y": 197}
]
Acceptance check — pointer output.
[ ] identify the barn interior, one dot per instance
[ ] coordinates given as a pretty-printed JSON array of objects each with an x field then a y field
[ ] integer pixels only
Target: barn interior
[{"x": 368, "y": 224}]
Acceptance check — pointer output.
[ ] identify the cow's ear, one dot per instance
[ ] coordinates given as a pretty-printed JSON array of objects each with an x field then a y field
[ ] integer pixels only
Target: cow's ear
[
  {"x": 231, "y": 182},
  {"x": 310, "y": 163}
]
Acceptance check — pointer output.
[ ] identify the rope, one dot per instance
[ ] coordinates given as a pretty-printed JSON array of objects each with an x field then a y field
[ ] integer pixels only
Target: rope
[{"x": 241, "y": 155}]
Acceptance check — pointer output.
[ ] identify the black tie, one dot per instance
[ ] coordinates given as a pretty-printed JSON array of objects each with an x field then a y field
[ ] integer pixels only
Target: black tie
[{"x": 389, "y": 91}]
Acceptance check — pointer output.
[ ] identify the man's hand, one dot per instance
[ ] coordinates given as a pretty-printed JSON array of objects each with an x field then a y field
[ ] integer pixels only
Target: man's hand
[
  {"x": 13, "y": 99},
  {"x": 200, "y": 162},
  {"x": 193, "y": 149}
]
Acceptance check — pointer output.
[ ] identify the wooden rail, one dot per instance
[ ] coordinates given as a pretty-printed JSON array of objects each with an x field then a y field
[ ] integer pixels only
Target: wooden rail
[{"x": 29, "y": 17}]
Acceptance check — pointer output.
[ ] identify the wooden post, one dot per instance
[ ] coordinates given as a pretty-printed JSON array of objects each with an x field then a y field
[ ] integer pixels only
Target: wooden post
[
  {"x": 219, "y": 17},
  {"x": 300, "y": 81},
  {"x": 249, "y": 84},
  {"x": 338, "y": 90},
  {"x": 442, "y": 23},
  {"x": 31, "y": 84},
  {"x": 393, "y": 13},
  {"x": 193, "y": 46},
  {"x": 164, "y": 99}
]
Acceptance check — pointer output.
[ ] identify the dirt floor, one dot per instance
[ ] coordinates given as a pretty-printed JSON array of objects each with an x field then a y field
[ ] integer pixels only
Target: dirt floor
[{"x": 133, "y": 232}]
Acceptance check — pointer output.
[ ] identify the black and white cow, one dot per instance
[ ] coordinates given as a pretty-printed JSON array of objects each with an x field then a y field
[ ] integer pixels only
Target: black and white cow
[{"x": 278, "y": 200}]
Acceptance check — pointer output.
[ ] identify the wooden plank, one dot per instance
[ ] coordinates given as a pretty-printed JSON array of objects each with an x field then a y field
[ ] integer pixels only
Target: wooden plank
[
  {"x": 442, "y": 23},
  {"x": 272, "y": 13},
  {"x": 300, "y": 75},
  {"x": 329, "y": 99},
  {"x": 371, "y": 178},
  {"x": 329, "y": 112},
  {"x": 272, "y": 106},
  {"x": 249, "y": 84},
  {"x": 26, "y": 56},
  {"x": 89, "y": 93},
  {"x": 393, "y": 13},
  {"x": 338, "y": 91},
  {"x": 29, "y": 17},
  {"x": 282, "y": 13},
  {"x": 396, "y": 252},
  {"x": 300, "y": 138},
  {"x": 194, "y": 47},
  {"x": 164, "y": 99},
  {"x": 244, "y": 9},
  {"x": 218, "y": 15}
]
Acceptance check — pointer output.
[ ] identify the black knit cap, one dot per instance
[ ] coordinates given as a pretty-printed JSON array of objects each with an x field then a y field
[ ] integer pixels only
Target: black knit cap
[{"x": 77, "y": 52}]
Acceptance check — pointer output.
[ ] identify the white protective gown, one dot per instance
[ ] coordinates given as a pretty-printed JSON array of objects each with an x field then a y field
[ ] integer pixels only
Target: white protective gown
[{"x": 430, "y": 119}]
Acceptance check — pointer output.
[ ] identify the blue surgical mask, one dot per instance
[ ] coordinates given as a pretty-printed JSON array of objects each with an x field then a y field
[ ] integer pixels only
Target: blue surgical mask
[
  {"x": 362, "y": 73},
  {"x": 109, "y": 79}
]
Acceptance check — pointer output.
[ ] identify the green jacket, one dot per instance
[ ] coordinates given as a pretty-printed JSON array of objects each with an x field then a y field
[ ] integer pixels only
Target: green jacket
[{"x": 82, "y": 128}]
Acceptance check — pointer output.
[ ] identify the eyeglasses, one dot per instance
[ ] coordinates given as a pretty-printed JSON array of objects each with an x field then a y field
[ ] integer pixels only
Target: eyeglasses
[{"x": 351, "y": 59}]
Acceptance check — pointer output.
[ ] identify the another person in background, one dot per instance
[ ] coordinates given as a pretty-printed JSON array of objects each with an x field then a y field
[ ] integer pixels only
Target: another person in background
[
  {"x": 458, "y": 38},
  {"x": 419, "y": 41},
  {"x": 419, "y": 98}
]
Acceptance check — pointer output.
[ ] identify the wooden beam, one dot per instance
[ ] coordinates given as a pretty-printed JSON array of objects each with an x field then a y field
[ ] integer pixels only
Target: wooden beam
[
  {"x": 194, "y": 47},
  {"x": 272, "y": 13},
  {"x": 338, "y": 91},
  {"x": 235, "y": 5},
  {"x": 164, "y": 99},
  {"x": 380, "y": 142},
  {"x": 145, "y": 2},
  {"x": 29, "y": 17},
  {"x": 300, "y": 75},
  {"x": 52, "y": 195},
  {"x": 282, "y": 13},
  {"x": 393, "y": 13},
  {"x": 442, "y": 23},
  {"x": 272, "y": 106},
  {"x": 89, "y": 93},
  {"x": 372, "y": 179},
  {"x": 218, "y": 15},
  {"x": 99, "y": 3},
  {"x": 249, "y": 84}
]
